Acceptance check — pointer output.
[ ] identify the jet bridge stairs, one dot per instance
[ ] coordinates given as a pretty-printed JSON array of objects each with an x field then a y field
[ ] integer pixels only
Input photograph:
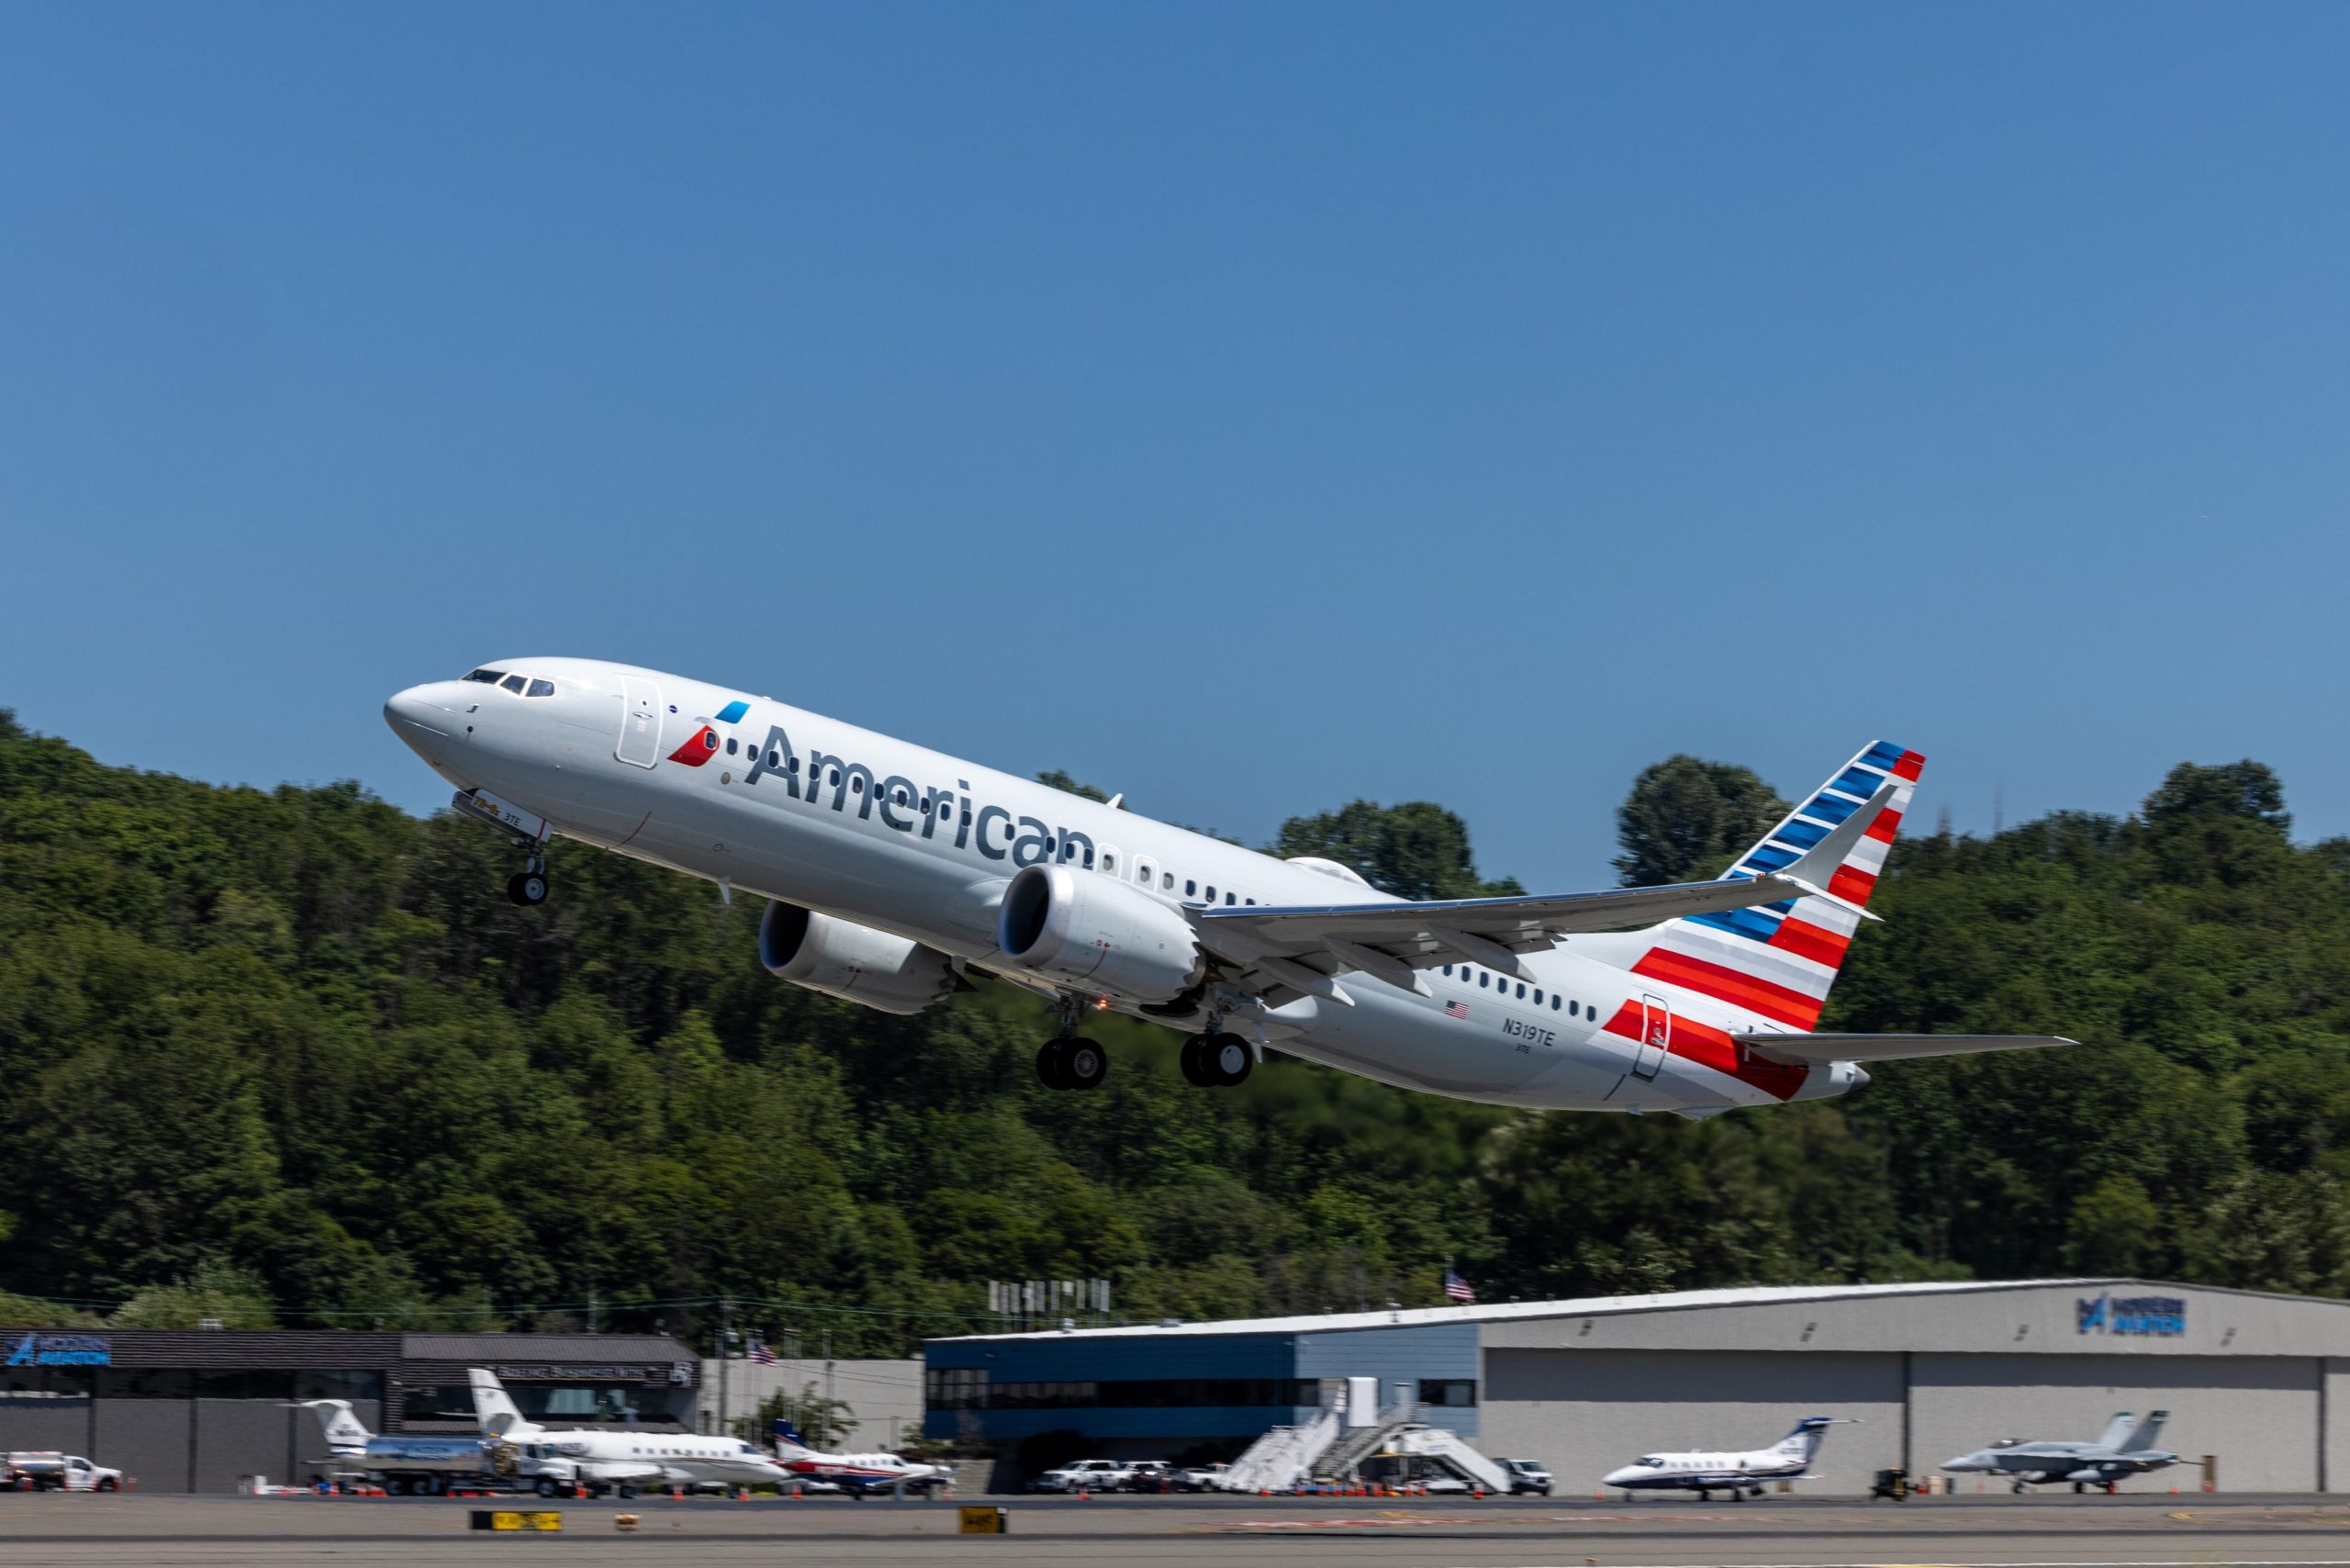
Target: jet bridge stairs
[{"x": 1287, "y": 1456}]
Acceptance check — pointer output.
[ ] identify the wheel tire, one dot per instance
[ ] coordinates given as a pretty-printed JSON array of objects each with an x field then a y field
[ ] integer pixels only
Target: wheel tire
[
  {"x": 1052, "y": 1064},
  {"x": 1194, "y": 1063},
  {"x": 109, "y": 1483},
  {"x": 528, "y": 889},
  {"x": 1227, "y": 1059},
  {"x": 547, "y": 1488},
  {"x": 397, "y": 1485},
  {"x": 1084, "y": 1064}
]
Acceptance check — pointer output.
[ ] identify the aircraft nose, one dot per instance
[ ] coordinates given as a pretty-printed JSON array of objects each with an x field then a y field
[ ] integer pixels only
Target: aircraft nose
[
  {"x": 1617, "y": 1477},
  {"x": 415, "y": 708}
]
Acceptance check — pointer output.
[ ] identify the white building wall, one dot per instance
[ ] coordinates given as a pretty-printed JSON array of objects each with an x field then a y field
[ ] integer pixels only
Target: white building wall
[
  {"x": 1586, "y": 1412},
  {"x": 884, "y": 1397}
]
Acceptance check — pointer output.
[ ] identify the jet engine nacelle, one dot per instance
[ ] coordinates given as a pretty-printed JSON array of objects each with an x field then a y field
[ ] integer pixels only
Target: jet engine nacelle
[
  {"x": 1098, "y": 934},
  {"x": 856, "y": 963}
]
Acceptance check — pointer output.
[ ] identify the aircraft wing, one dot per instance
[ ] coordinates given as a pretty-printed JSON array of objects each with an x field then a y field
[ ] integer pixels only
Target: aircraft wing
[
  {"x": 1816, "y": 1050},
  {"x": 1301, "y": 946}
]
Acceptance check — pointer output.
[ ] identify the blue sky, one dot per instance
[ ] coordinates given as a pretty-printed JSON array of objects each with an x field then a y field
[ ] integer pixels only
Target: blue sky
[{"x": 1244, "y": 407}]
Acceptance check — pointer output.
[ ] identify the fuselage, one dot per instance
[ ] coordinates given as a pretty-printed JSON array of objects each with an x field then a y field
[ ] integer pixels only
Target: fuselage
[
  {"x": 782, "y": 804},
  {"x": 1706, "y": 1472},
  {"x": 676, "y": 1456}
]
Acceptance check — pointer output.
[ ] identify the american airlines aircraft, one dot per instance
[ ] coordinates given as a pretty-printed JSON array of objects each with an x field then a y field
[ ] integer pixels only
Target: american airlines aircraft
[{"x": 891, "y": 872}]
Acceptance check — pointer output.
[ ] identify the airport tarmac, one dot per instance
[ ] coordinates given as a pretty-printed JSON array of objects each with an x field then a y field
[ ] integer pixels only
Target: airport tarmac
[{"x": 2151, "y": 1529}]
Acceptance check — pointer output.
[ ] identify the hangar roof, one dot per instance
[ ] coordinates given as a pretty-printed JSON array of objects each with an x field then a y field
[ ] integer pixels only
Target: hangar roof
[{"x": 1587, "y": 1306}]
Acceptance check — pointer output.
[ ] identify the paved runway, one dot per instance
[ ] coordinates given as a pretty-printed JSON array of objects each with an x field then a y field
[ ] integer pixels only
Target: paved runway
[{"x": 251, "y": 1532}]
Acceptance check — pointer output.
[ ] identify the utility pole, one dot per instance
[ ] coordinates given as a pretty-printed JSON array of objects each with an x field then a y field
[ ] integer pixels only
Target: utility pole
[{"x": 725, "y": 1339}]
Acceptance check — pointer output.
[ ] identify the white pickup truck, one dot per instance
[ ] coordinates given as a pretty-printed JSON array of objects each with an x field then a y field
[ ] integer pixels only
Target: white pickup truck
[
  {"x": 1085, "y": 1475},
  {"x": 48, "y": 1470}
]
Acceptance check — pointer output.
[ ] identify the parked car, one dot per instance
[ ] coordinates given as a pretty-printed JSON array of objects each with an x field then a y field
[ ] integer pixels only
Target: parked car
[
  {"x": 1201, "y": 1477},
  {"x": 47, "y": 1470},
  {"x": 1527, "y": 1475},
  {"x": 1149, "y": 1476},
  {"x": 1084, "y": 1476}
]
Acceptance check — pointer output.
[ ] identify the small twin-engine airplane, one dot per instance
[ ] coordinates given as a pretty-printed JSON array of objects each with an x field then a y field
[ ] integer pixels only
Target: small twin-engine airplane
[
  {"x": 855, "y": 1473},
  {"x": 1740, "y": 1474},
  {"x": 892, "y": 871},
  {"x": 620, "y": 1459},
  {"x": 2126, "y": 1449}
]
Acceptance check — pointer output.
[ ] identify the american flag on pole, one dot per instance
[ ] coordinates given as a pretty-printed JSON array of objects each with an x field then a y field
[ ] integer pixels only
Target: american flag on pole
[
  {"x": 1456, "y": 1010},
  {"x": 760, "y": 1354},
  {"x": 1456, "y": 1288}
]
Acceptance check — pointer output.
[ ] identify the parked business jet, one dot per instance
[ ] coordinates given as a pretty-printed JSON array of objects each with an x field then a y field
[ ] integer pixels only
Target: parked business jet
[
  {"x": 1740, "y": 1474},
  {"x": 855, "y": 1473},
  {"x": 2126, "y": 1449},
  {"x": 892, "y": 871},
  {"x": 622, "y": 1460}
]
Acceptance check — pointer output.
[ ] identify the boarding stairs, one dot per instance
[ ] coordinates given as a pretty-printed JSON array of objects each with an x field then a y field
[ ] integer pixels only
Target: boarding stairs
[
  {"x": 1284, "y": 1456},
  {"x": 1447, "y": 1449},
  {"x": 1340, "y": 1458}
]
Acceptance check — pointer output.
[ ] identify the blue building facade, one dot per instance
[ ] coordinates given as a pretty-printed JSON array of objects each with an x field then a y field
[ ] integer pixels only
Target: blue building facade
[{"x": 1136, "y": 1391}]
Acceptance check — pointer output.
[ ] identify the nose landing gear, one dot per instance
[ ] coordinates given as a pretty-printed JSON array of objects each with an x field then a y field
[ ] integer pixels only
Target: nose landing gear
[{"x": 528, "y": 886}]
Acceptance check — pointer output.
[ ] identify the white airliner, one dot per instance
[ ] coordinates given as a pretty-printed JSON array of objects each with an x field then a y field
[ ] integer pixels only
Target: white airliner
[
  {"x": 620, "y": 1458},
  {"x": 892, "y": 871},
  {"x": 1740, "y": 1474},
  {"x": 855, "y": 1473}
]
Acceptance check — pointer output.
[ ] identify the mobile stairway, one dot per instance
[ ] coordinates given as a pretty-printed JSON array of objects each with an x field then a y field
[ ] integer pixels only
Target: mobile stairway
[{"x": 1286, "y": 1457}]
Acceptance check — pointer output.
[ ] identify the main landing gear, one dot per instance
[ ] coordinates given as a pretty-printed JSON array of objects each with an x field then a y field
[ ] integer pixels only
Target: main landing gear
[
  {"x": 1070, "y": 1060},
  {"x": 528, "y": 886},
  {"x": 1215, "y": 1059}
]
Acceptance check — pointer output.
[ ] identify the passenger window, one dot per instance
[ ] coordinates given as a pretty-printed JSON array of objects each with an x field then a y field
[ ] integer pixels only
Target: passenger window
[
  {"x": 1211, "y": 894},
  {"x": 513, "y": 683},
  {"x": 541, "y": 688},
  {"x": 1538, "y": 996},
  {"x": 1108, "y": 860},
  {"x": 1521, "y": 991},
  {"x": 1554, "y": 1002},
  {"x": 1166, "y": 882},
  {"x": 730, "y": 745},
  {"x": 1229, "y": 899},
  {"x": 1190, "y": 887},
  {"x": 1447, "y": 971},
  {"x": 1484, "y": 980}
]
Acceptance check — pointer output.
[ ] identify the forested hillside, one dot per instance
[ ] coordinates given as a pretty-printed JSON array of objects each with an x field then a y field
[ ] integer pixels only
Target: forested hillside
[{"x": 292, "y": 1056}]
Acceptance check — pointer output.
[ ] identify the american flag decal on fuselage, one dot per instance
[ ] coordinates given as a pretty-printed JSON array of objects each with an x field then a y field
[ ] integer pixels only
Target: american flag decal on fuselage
[
  {"x": 1456, "y": 1010},
  {"x": 1772, "y": 964}
]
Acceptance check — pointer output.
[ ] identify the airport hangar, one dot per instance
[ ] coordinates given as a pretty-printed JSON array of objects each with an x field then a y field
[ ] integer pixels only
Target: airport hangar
[
  {"x": 196, "y": 1410},
  {"x": 2260, "y": 1383}
]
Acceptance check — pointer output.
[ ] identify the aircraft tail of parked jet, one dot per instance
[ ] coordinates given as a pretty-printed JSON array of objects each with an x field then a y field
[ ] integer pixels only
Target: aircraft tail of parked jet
[
  {"x": 2117, "y": 1431},
  {"x": 499, "y": 1416},
  {"x": 2148, "y": 1434},
  {"x": 1803, "y": 1442},
  {"x": 343, "y": 1428}
]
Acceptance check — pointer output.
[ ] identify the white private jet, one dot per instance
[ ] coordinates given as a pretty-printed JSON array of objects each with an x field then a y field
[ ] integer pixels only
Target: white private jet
[
  {"x": 1740, "y": 1474},
  {"x": 856, "y": 1473},
  {"x": 891, "y": 872},
  {"x": 620, "y": 1459}
]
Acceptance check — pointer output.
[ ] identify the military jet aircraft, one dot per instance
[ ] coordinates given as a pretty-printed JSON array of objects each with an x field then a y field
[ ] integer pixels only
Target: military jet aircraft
[{"x": 2124, "y": 1449}]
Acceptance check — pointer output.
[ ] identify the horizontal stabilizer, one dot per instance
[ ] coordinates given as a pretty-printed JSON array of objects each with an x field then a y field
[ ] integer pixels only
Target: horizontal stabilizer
[{"x": 1816, "y": 1050}]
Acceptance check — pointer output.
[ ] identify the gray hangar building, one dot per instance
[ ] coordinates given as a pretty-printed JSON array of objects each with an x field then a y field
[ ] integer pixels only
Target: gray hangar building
[{"x": 2259, "y": 1384}]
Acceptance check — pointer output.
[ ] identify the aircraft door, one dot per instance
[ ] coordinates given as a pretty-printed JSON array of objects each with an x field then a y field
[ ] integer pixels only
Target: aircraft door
[
  {"x": 640, "y": 722},
  {"x": 1656, "y": 1037}
]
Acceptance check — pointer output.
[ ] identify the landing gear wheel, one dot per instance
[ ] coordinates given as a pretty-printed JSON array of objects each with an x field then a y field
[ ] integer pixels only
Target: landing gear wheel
[
  {"x": 1052, "y": 1064},
  {"x": 527, "y": 888},
  {"x": 1194, "y": 1062},
  {"x": 2017, "y": 1488},
  {"x": 1226, "y": 1059},
  {"x": 1084, "y": 1064}
]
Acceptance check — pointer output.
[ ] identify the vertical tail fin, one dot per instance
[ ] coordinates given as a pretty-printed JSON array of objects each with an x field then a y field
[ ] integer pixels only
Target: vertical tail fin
[
  {"x": 787, "y": 1439},
  {"x": 1778, "y": 960},
  {"x": 344, "y": 1430},
  {"x": 2149, "y": 1433},
  {"x": 2117, "y": 1431},
  {"x": 1804, "y": 1442},
  {"x": 493, "y": 1406}
]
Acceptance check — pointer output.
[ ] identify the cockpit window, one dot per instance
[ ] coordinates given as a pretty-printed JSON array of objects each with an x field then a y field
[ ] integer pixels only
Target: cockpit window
[
  {"x": 512, "y": 683},
  {"x": 488, "y": 677},
  {"x": 541, "y": 688}
]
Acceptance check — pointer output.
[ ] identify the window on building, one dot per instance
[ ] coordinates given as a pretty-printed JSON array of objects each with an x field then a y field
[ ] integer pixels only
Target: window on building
[{"x": 1453, "y": 1393}]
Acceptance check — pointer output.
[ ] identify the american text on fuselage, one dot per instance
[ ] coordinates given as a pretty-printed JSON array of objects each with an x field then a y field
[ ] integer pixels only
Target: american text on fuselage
[{"x": 893, "y": 872}]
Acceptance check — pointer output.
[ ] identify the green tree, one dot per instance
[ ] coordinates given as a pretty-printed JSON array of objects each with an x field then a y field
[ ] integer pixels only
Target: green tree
[
  {"x": 1688, "y": 819},
  {"x": 1416, "y": 850}
]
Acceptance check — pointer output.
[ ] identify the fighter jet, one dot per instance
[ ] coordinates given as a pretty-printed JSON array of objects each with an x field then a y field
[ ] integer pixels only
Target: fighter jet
[{"x": 2124, "y": 1449}]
